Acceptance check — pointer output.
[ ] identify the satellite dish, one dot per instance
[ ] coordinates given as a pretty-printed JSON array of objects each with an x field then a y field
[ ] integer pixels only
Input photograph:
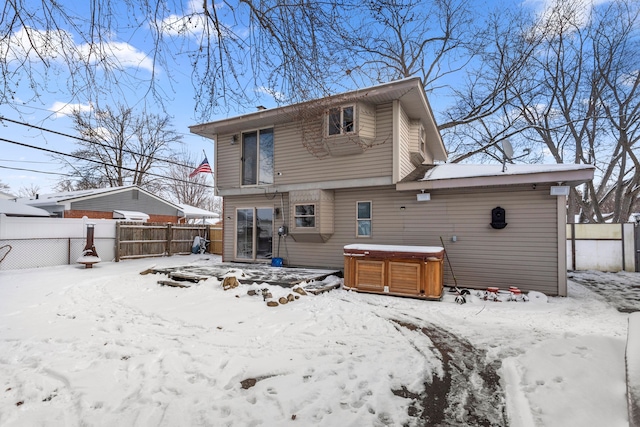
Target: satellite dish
[{"x": 508, "y": 149}]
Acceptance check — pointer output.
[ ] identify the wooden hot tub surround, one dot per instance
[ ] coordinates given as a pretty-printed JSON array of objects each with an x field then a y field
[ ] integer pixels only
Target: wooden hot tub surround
[{"x": 414, "y": 271}]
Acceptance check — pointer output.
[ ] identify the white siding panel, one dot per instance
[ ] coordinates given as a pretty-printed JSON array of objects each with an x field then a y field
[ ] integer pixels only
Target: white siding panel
[{"x": 405, "y": 145}]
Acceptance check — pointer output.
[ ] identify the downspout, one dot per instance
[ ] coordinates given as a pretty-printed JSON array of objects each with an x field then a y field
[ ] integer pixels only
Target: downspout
[{"x": 561, "y": 207}]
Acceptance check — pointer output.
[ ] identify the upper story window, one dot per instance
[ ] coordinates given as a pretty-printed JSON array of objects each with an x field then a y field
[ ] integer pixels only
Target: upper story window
[
  {"x": 423, "y": 140},
  {"x": 341, "y": 120},
  {"x": 257, "y": 157}
]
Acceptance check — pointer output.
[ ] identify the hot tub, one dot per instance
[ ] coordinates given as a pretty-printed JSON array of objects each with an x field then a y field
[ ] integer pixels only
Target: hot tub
[{"x": 414, "y": 271}]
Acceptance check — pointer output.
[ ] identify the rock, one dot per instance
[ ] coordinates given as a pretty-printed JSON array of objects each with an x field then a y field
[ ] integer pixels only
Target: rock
[
  {"x": 283, "y": 300},
  {"x": 252, "y": 292},
  {"x": 299, "y": 290},
  {"x": 230, "y": 283},
  {"x": 248, "y": 383},
  {"x": 272, "y": 303},
  {"x": 290, "y": 297},
  {"x": 267, "y": 296}
]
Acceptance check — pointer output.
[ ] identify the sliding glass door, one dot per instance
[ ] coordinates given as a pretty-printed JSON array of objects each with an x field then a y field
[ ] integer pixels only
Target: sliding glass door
[{"x": 254, "y": 233}]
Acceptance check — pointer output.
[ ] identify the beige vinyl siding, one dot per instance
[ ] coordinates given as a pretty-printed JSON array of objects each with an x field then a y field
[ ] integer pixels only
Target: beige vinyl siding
[
  {"x": 326, "y": 213},
  {"x": 405, "y": 144},
  {"x": 367, "y": 120},
  {"x": 228, "y": 167},
  {"x": 297, "y": 165},
  {"x": 523, "y": 254}
]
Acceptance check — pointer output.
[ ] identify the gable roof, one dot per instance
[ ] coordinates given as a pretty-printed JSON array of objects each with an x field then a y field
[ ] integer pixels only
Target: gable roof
[
  {"x": 409, "y": 91},
  {"x": 74, "y": 196},
  {"x": 455, "y": 175}
]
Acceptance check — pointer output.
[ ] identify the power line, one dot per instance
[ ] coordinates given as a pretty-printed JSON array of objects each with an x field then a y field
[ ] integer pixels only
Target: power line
[
  {"x": 36, "y": 171},
  {"x": 98, "y": 162},
  {"x": 52, "y": 112},
  {"x": 22, "y": 161},
  {"x": 55, "y": 132}
]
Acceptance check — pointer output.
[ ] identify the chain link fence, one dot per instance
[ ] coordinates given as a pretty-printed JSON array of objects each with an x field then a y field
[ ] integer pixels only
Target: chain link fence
[{"x": 46, "y": 252}]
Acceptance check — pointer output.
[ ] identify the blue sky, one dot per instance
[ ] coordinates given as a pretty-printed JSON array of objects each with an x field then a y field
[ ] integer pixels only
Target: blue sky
[
  {"x": 47, "y": 111},
  {"x": 132, "y": 51}
]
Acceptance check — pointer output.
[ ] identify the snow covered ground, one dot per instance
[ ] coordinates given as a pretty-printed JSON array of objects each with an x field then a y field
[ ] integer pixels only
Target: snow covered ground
[{"x": 108, "y": 346}]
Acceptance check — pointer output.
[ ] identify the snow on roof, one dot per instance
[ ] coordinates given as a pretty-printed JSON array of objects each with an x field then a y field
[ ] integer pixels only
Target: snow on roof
[
  {"x": 194, "y": 212},
  {"x": 53, "y": 198},
  {"x": 4, "y": 195},
  {"x": 457, "y": 170},
  {"x": 13, "y": 208},
  {"x": 130, "y": 215}
]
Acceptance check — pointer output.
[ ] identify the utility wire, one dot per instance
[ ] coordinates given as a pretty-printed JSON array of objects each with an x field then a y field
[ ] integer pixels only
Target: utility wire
[
  {"x": 55, "y": 132},
  {"x": 23, "y": 161},
  {"x": 52, "y": 112},
  {"x": 98, "y": 162},
  {"x": 37, "y": 171}
]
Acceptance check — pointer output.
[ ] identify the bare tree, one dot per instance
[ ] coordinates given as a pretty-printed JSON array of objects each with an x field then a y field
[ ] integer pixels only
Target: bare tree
[
  {"x": 120, "y": 147},
  {"x": 585, "y": 106},
  {"x": 196, "y": 191},
  {"x": 563, "y": 82},
  {"x": 4, "y": 187},
  {"x": 29, "y": 191},
  {"x": 233, "y": 47},
  {"x": 574, "y": 99},
  {"x": 616, "y": 48}
]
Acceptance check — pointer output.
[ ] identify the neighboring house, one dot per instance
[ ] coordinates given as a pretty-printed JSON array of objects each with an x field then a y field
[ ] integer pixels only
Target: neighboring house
[
  {"x": 193, "y": 215},
  {"x": 127, "y": 203},
  {"x": 362, "y": 167},
  {"x": 13, "y": 208},
  {"x": 6, "y": 196}
]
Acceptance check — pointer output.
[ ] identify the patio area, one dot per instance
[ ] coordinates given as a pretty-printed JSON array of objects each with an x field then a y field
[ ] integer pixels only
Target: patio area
[{"x": 286, "y": 277}]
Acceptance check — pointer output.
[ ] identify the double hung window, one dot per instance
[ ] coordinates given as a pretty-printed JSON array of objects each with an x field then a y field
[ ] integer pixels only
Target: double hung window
[
  {"x": 363, "y": 219},
  {"x": 305, "y": 216}
]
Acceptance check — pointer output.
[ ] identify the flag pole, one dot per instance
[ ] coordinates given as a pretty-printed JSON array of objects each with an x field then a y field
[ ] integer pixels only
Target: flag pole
[{"x": 205, "y": 156}]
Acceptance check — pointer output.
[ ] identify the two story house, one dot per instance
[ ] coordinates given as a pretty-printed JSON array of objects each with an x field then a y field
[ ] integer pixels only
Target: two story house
[{"x": 302, "y": 181}]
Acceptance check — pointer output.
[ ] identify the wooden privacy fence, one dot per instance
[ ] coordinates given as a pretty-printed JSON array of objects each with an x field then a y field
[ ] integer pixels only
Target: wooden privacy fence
[{"x": 142, "y": 240}]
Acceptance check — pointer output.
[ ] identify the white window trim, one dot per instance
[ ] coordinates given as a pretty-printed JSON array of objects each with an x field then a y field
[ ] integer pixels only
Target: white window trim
[
  {"x": 257, "y": 131},
  {"x": 370, "y": 219},
  {"x": 254, "y": 243},
  {"x": 315, "y": 216},
  {"x": 342, "y": 132},
  {"x": 422, "y": 140}
]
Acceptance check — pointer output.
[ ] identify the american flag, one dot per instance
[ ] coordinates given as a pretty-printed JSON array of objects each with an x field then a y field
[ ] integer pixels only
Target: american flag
[{"x": 204, "y": 167}]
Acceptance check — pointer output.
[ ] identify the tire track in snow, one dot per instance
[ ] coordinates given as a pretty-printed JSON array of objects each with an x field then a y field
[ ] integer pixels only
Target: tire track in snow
[{"x": 467, "y": 393}]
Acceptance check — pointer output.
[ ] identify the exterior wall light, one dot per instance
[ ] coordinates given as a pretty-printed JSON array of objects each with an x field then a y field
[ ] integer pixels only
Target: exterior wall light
[{"x": 560, "y": 190}]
